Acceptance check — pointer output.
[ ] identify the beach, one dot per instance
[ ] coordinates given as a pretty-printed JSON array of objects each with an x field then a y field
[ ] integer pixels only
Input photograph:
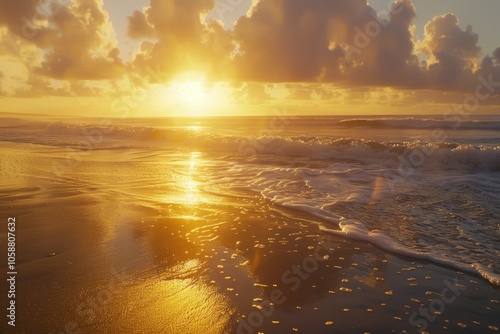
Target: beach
[
  {"x": 249, "y": 167},
  {"x": 123, "y": 237}
]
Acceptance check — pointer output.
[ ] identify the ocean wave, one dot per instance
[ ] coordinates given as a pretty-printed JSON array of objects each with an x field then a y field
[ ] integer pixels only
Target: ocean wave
[
  {"x": 408, "y": 154},
  {"x": 453, "y": 123}
]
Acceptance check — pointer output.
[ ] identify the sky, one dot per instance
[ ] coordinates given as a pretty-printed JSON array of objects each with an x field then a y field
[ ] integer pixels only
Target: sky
[{"x": 244, "y": 57}]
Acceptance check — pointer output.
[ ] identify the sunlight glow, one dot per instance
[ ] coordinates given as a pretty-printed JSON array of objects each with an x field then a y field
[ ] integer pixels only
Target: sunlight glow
[{"x": 192, "y": 96}]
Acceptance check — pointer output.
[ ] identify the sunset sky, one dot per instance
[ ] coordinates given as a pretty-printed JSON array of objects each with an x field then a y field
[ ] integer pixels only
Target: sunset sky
[{"x": 235, "y": 57}]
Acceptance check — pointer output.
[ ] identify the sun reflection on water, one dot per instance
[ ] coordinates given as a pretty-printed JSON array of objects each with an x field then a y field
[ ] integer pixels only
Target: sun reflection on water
[
  {"x": 187, "y": 191},
  {"x": 190, "y": 185},
  {"x": 195, "y": 128}
]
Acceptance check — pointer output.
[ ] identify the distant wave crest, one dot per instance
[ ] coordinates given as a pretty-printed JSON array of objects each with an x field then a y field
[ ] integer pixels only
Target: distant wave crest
[
  {"x": 454, "y": 123},
  {"x": 418, "y": 154}
]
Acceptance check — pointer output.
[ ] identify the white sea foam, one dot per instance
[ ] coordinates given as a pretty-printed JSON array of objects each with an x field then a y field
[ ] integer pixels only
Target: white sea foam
[
  {"x": 358, "y": 231},
  {"x": 454, "y": 227}
]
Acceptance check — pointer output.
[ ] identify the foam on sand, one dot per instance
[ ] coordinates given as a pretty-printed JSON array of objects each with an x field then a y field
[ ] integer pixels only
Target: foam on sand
[{"x": 358, "y": 231}]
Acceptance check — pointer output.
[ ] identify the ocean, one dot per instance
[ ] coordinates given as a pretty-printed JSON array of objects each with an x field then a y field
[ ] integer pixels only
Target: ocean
[{"x": 423, "y": 187}]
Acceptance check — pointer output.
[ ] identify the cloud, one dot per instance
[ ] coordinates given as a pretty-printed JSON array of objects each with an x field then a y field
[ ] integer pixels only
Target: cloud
[
  {"x": 76, "y": 38},
  {"x": 385, "y": 55},
  {"x": 15, "y": 15},
  {"x": 182, "y": 41},
  {"x": 1, "y": 84},
  {"x": 443, "y": 35},
  {"x": 84, "y": 47},
  {"x": 289, "y": 40},
  {"x": 496, "y": 56},
  {"x": 327, "y": 41},
  {"x": 314, "y": 44},
  {"x": 139, "y": 27},
  {"x": 453, "y": 52},
  {"x": 346, "y": 42}
]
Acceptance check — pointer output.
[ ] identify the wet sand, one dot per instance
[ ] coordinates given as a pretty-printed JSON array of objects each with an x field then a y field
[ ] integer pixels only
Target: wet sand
[{"x": 97, "y": 254}]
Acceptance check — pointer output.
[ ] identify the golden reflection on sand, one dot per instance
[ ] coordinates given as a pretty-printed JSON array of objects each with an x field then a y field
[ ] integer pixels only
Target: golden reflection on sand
[
  {"x": 183, "y": 302},
  {"x": 194, "y": 307}
]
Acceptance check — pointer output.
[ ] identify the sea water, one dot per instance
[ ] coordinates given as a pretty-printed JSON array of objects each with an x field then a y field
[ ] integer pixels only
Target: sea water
[{"x": 419, "y": 186}]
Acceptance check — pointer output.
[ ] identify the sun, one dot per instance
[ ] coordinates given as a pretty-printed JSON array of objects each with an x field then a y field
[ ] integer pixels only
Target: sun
[{"x": 191, "y": 95}]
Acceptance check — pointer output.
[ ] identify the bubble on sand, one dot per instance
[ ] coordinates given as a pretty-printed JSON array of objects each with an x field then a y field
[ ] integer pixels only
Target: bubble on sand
[
  {"x": 329, "y": 323},
  {"x": 345, "y": 289},
  {"x": 409, "y": 269},
  {"x": 389, "y": 293}
]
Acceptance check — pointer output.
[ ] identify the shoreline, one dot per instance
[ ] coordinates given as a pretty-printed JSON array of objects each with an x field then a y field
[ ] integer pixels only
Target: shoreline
[{"x": 95, "y": 254}]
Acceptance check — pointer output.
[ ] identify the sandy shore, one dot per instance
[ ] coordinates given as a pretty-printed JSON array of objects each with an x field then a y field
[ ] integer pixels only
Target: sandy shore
[{"x": 95, "y": 257}]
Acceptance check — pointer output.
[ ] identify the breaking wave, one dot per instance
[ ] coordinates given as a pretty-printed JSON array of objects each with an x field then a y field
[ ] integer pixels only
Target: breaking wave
[{"x": 416, "y": 154}]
